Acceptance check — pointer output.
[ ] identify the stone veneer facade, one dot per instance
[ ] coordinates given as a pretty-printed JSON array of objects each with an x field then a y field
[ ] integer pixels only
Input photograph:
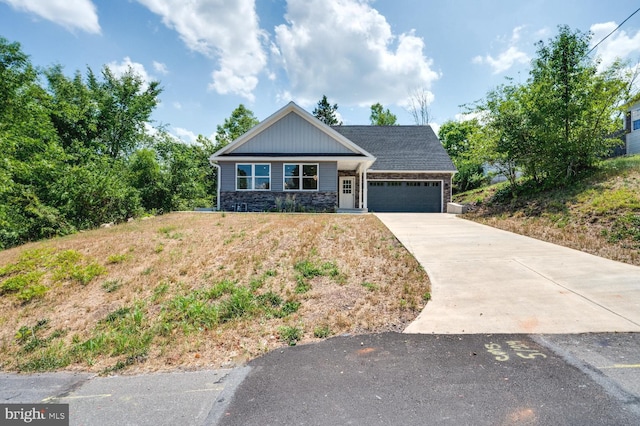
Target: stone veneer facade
[{"x": 264, "y": 201}]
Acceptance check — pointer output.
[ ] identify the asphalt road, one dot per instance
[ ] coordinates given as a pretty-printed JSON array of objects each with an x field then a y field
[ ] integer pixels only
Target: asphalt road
[
  {"x": 401, "y": 379},
  {"x": 388, "y": 379}
]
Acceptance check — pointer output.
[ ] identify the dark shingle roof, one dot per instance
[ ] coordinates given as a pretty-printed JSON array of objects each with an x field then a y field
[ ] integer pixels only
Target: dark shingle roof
[{"x": 402, "y": 148}]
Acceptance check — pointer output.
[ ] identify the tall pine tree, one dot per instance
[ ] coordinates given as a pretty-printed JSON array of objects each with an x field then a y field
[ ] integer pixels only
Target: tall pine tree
[{"x": 326, "y": 112}]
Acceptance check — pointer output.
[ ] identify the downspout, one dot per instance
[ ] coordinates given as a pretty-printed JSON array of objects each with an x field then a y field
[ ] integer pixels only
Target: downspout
[
  {"x": 217, "y": 166},
  {"x": 365, "y": 189},
  {"x": 360, "y": 191}
]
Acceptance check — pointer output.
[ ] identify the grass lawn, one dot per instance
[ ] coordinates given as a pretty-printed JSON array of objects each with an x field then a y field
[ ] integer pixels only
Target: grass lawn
[
  {"x": 599, "y": 214},
  {"x": 189, "y": 290}
]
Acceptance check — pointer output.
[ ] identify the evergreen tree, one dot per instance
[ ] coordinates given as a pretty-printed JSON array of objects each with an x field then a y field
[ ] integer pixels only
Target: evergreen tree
[{"x": 326, "y": 112}]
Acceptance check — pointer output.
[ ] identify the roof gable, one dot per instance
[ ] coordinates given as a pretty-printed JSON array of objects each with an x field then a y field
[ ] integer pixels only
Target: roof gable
[
  {"x": 400, "y": 148},
  {"x": 291, "y": 131}
]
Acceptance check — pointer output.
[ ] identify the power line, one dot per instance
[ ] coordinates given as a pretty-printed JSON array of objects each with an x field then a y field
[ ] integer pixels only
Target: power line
[{"x": 616, "y": 29}]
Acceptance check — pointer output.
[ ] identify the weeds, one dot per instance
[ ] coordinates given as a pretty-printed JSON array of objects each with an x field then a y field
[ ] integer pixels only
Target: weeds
[
  {"x": 307, "y": 270},
  {"x": 370, "y": 286},
  {"x": 290, "y": 335},
  {"x": 25, "y": 277},
  {"x": 110, "y": 286},
  {"x": 321, "y": 331},
  {"x": 117, "y": 258}
]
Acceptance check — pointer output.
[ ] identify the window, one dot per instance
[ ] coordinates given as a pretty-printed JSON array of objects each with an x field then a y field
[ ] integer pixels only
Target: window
[
  {"x": 394, "y": 184},
  {"x": 636, "y": 125},
  {"x": 253, "y": 177},
  {"x": 300, "y": 177},
  {"x": 347, "y": 186},
  {"x": 413, "y": 183},
  {"x": 376, "y": 183}
]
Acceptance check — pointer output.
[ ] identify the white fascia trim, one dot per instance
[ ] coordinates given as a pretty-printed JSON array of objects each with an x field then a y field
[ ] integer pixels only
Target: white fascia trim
[
  {"x": 412, "y": 171},
  {"x": 303, "y": 159}
]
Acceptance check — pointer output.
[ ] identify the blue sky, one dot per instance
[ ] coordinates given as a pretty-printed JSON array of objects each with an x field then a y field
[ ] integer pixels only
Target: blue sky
[{"x": 212, "y": 55}]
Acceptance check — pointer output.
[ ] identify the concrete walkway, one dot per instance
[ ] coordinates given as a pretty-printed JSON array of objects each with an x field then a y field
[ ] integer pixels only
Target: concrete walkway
[{"x": 486, "y": 280}]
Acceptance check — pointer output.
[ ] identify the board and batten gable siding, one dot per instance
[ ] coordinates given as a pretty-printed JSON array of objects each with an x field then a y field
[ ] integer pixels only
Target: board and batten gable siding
[
  {"x": 292, "y": 134},
  {"x": 327, "y": 174}
]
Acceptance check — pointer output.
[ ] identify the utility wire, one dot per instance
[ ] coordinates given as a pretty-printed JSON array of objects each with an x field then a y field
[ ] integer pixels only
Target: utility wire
[{"x": 616, "y": 29}]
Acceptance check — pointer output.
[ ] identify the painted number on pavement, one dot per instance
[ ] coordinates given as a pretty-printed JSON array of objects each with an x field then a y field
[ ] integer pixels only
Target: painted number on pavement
[{"x": 501, "y": 353}]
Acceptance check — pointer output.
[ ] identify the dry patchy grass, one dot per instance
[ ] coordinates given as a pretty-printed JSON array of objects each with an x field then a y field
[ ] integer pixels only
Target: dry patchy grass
[{"x": 201, "y": 290}]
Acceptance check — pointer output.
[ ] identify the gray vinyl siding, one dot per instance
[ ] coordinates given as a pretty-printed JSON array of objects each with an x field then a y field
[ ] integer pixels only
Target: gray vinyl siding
[
  {"x": 328, "y": 175},
  {"x": 227, "y": 176},
  {"x": 292, "y": 134},
  {"x": 633, "y": 142}
]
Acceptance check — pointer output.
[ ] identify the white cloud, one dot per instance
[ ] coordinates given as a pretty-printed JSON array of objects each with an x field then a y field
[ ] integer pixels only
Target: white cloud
[
  {"x": 227, "y": 31},
  {"x": 71, "y": 14},
  {"x": 506, "y": 59},
  {"x": 619, "y": 45},
  {"x": 346, "y": 50},
  {"x": 177, "y": 105},
  {"x": 468, "y": 116},
  {"x": 119, "y": 69},
  {"x": 160, "y": 67},
  {"x": 185, "y": 135}
]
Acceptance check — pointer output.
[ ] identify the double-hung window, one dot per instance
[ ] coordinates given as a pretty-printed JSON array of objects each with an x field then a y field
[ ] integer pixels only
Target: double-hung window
[
  {"x": 301, "y": 177},
  {"x": 253, "y": 177}
]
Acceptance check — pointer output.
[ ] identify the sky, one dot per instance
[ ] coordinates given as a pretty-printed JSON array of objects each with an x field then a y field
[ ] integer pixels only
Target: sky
[{"x": 212, "y": 55}]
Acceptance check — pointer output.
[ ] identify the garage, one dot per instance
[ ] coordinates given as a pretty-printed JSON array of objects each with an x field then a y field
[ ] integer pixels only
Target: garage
[{"x": 405, "y": 196}]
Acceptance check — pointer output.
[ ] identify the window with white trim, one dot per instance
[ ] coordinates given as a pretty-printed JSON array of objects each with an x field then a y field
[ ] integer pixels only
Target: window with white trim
[
  {"x": 300, "y": 177},
  {"x": 253, "y": 177}
]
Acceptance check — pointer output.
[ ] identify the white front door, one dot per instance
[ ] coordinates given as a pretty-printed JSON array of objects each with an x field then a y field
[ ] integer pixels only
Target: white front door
[{"x": 347, "y": 192}]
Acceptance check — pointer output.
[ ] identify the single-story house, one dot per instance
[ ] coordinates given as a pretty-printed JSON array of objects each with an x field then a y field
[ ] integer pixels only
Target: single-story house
[{"x": 333, "y": 168}]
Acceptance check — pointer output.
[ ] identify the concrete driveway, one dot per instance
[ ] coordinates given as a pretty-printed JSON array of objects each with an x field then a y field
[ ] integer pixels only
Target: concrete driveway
[{"x": 485, "y": 280}]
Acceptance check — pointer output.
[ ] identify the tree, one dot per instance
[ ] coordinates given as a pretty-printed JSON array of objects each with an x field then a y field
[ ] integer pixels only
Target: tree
[
  {"x": 326, "y": 112},
  {"x": 558, "y": 123},
  {"x": 572, "y": 104},
  {"x": 419, "y": 106},
  {"x": 185, "y": 171},
  {"x": 32, "y": 159},
  {"x": 380, "y": 117},
  {"x": 507, "y": 142},
  {"x": 240, "y": 122},
  {"x": 101, "y": 117},
  {"x": 125, "y": 106},
  {"x": 74, "y": 113},
  {"x": 459, "y": 139}
]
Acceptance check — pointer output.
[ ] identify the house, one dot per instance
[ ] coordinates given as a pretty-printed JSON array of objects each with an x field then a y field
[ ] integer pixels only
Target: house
[
  {"x": 633, "y": 129},
  {"x": 293, "y": 155}
]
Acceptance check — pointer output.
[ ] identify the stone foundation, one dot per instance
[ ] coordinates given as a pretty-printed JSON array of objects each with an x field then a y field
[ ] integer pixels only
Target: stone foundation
[{"x": 265, "y": 201}]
